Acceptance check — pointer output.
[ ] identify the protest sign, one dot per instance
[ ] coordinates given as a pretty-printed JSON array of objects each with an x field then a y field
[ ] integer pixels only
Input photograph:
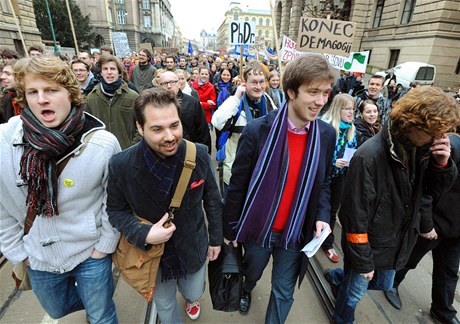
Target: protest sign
[
  {"x": 356, "y": 62},
  {"x": 167, "y": 50},
  {"x": 146, "y": 46},
  {"x": 326, "y": 36},
  {"x": 120, "y": 44},
  {"x": 242, "y": 32},
  {"x": 288, "y": 49}
]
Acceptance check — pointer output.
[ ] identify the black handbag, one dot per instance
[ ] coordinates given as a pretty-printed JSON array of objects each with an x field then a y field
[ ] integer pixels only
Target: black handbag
[{"x": 225, "y": 276}]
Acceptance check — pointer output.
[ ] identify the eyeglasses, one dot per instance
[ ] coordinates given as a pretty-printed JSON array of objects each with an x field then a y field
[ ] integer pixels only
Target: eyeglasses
[
  {"x": 168, "y": 83},
  {"x": 255, "y": 83}
]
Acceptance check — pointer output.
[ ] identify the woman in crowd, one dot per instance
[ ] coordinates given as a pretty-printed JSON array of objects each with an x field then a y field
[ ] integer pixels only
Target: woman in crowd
[
  {"x": 274, "y": 90},
  {"x": 340, "y": 116},
  {"x": 54, "y": 170},
  {"x": 193, "y": 76},
  {"x": 183, "y": 84},
  {"x": 367, "y": 124},
  {"x": 9, "y": 105},
  {"x": 224, "y": 89},
  {"x": 206, "y": 92},
  {"x": 212, "y": 71}
]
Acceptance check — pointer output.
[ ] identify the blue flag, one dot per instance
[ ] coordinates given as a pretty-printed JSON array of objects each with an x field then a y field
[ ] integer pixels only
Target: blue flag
[{"x": 190, "y": 48}]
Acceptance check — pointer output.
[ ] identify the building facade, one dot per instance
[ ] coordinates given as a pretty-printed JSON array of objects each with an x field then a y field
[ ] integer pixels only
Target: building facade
[
  {"x": 394, "y": 31},
  {"x": 208, "y": 40},
  {"x": 143, "y": 21},
  {"x": 262, "y": 18},
  {"x": 9, "y": 35}
]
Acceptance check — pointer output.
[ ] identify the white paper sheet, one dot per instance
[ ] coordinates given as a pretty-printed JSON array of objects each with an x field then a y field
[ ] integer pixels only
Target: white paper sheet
[{"x": 313, "y": 246}]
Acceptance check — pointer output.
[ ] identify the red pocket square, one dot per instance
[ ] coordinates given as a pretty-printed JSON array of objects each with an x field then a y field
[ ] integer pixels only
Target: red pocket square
[{"x": 196, "y": 184}]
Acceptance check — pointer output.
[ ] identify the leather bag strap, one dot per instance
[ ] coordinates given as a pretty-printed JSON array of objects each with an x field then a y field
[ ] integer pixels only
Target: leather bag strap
[{"x": 189, "y": 165}]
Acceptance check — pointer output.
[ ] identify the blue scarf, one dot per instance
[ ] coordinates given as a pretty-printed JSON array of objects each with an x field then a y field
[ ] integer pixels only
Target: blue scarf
[
  {"x": 267, "y": 185},
  {"x": 223, "y": 92},
  {"x": 258, "y": 108}
]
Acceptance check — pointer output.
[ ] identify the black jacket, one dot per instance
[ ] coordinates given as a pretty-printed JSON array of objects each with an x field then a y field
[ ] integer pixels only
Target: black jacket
[
  {"x": 442, "y": 212},
  {"x": 380, "y": 207},
  {"x": 193, "y": 120},
  {"x": 132, "y": 188},
  {"x": 249, "y": 148}
]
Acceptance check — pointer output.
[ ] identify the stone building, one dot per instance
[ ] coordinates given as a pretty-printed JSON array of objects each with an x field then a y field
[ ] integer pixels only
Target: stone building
[
  {"x": 394, "y": 31},
  {"x": 9, "y": 35},
  {"x": 143, "y": 21},
  {"x": 262, "y": 18},
  {"x": 208, "y": 40}
]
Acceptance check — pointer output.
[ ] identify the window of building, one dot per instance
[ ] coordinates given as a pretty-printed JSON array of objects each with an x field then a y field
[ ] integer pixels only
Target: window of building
[
  {"x": 267, "y": 33},
  {"x": 260, "y": 33},
  {"x": 394, "y": 56},
  {"x": 4, "y": 7},
  {"x": 120, "y": 1},
  {"x": 378, "y": 13},
  {"x": 254, "y": 19},
  {"x": 235, "y": 16},
  {"x": 408, "y": 12},
  {"x": 147, "y": 21},
  {"x": 110, "y": 16},
  {"x": 261, "y": 21},
  {"x": 145, "y": 4},
  {"x": 246, "y": 19},
  {"x": 267, "y": 22},
  {"x": 121, "y": 17}
]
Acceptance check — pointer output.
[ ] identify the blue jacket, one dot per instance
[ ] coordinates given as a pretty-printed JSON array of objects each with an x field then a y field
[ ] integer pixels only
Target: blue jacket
[
  {"x": 133, "y": 189},
  {"x": 249, "y": 148}
]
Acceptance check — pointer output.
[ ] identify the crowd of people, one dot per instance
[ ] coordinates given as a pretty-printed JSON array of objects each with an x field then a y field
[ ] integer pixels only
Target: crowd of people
[{"x": 89, "y": 143}]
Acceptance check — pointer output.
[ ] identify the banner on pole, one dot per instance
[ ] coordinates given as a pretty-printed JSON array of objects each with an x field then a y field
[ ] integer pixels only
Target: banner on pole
[
  {"x": 288, "y": 49},
  {"x": 120, "y": 44},
  {"x": 356, "y": 62},
  {"x": 242, "y": 32},
  {"x": 326, "y": 36}
]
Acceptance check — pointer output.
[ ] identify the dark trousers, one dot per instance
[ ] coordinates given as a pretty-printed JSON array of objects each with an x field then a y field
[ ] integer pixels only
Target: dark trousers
[
  {"x": 337, "y": 187},
  {"x": 446, "y": 255}
]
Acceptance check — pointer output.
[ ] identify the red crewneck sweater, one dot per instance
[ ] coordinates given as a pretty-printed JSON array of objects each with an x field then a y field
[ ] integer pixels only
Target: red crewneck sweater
[{"x": 296, "y": 144}]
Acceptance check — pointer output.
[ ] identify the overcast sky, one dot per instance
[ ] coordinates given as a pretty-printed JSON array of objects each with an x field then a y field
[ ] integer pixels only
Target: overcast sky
[{"x": 193, "y": 16}]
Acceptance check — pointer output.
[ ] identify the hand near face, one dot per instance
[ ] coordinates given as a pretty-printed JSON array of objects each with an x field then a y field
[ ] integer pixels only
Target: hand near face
[
  {"x": 440, "y": 149},
  {"x": 240, "y": 90}
]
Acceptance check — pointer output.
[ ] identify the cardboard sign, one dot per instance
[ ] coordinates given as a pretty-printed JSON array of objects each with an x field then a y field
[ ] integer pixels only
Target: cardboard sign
[
  {"x": 69, "y": 51},
  {"x": 146, "y": 46},
  {"x": 326, "y": 36},
  {"x": 242, "y": 32},
  {"x": 356, "y": 62},
  {"x": 120, "y": 44},
  {"x": 167, "y": 50},
  {"x": 288, "y": 49}
]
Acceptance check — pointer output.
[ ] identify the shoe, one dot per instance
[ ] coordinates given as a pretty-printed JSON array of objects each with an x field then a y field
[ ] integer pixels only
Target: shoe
[
  {"x": 332, "y": 255},
  {"x": 392, "y": 296},
  {"x": 245, "y": 302},
  {"x": 193, "y": 310},
  {"x": 453, "y": 320},
  {"x": 334, "y": 288}
]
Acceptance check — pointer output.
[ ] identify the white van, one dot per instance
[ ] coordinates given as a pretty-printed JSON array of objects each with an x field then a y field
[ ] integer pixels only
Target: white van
[{"x": 413, "y": 72}]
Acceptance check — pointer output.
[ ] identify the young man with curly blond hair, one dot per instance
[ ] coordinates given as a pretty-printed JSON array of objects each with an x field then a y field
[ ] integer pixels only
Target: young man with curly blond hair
[{"x": 387, "y": 177}]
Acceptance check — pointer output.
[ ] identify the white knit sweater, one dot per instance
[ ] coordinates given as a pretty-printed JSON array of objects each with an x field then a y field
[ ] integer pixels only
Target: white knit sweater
[{"x": 57, "y": 244}]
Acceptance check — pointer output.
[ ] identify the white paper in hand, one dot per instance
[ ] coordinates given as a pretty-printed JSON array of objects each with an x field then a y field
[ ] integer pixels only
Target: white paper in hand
[{"x": 314, "y": 245}]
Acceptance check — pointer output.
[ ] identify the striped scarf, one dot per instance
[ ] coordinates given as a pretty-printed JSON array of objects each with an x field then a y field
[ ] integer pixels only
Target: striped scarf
[
  {"x": 267, "y": 185},
  {"x": 43, "y": 147}
]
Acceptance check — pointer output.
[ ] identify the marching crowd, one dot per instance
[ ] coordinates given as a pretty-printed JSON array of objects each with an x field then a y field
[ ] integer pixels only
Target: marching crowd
[{"x": 90, "y": 143}]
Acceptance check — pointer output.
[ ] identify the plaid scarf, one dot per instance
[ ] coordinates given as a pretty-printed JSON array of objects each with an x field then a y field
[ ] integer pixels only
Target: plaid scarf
[
  {"x": 267, "y": 185},
  {"x": 43, "y": 147}
]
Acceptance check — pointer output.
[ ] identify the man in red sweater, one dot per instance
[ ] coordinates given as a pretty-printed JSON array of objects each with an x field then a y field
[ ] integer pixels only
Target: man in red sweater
[{"x": 278, "y": 195}]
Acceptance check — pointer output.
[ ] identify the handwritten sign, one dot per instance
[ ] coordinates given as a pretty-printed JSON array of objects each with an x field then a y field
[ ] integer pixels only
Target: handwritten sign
[
  {"x": 326, "y": 36},
  {"x": 288, "y": 49},
  {"x": 167, "y": 50},
  {"x": 242, "y": 32},
  {"x": 356, "y": 62},
  {"x": 120, "y": 43},
  {"x": 146, "y": 46}
]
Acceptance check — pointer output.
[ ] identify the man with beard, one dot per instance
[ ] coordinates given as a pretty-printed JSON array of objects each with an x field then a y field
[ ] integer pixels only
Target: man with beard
[
  {"x": 143, "y": 73},
  {"x": 191, "y": 113}
]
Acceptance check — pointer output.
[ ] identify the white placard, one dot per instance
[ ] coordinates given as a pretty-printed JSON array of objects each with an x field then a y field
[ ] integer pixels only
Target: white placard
[{"x": 242, "y": 32}]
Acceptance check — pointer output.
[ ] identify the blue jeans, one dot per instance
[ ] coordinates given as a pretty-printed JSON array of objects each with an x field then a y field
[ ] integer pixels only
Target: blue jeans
[
  {"x": 286, "y": 267},
  {"x": 89, "y": 286},
  {"x": 353, "y": 287},
  {"x": 191, "y": 288}
]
